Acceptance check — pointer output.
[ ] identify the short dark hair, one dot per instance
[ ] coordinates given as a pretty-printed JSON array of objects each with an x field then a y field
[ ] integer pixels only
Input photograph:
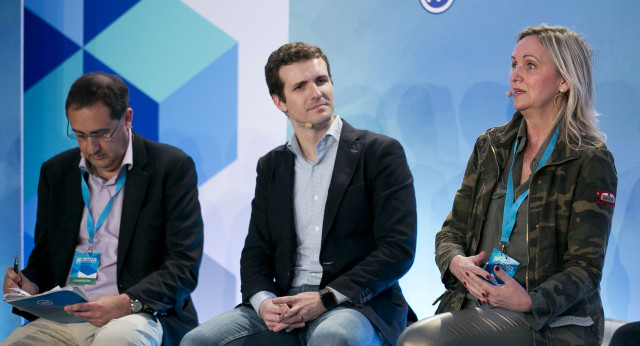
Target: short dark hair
[
  {"x": 286, "y": 55},
  {"x": 95, "y": 87}
]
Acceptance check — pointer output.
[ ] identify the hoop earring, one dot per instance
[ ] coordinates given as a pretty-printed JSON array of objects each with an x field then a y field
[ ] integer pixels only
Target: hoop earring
[{"x": 556, "y": 97}]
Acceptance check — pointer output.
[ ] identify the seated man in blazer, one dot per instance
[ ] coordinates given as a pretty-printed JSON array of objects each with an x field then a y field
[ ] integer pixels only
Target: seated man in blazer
[
  {"x": 128, "y": 202},
  {"x": 333, "y": 225}
]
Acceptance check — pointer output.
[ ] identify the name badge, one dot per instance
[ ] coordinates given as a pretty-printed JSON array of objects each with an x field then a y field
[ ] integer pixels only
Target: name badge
[
  {"x": 84, "y": 270},
  {"x": 506, "y": 263}
]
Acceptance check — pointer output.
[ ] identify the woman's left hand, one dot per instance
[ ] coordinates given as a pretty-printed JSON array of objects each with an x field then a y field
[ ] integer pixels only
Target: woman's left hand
[{"x": 511, "y": 295}]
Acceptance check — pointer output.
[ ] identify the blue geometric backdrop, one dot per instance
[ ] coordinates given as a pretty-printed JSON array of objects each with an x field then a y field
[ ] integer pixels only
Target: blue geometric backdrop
[{"x": 181, "y": 71}]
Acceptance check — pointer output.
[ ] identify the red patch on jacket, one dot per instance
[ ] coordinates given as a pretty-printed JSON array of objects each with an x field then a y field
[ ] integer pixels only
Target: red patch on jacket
[{"x": 606, "y": 198}]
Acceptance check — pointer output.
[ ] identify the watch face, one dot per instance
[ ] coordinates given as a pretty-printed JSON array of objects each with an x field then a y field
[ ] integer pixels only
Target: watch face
[
  {"x": 328, "y": 299},
  {"x": 136, "y": 306}
]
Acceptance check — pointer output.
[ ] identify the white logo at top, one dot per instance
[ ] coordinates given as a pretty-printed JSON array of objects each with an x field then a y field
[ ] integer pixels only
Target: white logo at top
[{"x": 436, "y": 6}]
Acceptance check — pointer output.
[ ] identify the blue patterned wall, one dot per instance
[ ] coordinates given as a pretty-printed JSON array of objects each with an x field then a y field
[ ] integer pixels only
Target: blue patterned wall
[
  {"x": 178, "y": 75},
  {"x": 10, "y": 180}
]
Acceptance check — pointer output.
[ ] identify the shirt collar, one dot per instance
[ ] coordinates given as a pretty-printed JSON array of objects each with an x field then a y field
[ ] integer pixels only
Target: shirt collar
[
  {"x": 127, "y": 160},
  {"x": 522, "y": 135},
  {"x": 334, "y": 131}
]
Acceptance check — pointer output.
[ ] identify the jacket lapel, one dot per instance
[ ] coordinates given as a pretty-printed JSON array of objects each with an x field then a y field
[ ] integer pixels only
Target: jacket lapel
[
  {"x": 283, "y": 179},
  {"x": 135, "y": 189},
  {"x": 72, "y": 209},
  {"x": 347, "y": 158}
]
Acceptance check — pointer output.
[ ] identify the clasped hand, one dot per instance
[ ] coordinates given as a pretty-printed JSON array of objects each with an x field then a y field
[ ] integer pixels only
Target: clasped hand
[
  {"x": 511, "y": 295},
  {"x": 291, "y": 312}
]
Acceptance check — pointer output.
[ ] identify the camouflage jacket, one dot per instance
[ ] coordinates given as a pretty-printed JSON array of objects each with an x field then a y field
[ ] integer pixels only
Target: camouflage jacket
[{"x": 568, "y": 228}]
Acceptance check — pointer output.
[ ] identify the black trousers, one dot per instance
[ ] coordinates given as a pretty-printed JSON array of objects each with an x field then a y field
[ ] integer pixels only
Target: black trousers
[{"x": 473, "y": 326}]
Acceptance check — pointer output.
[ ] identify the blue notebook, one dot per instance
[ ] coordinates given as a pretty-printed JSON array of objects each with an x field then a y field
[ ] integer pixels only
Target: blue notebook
[{"x": 50, "y": 305}]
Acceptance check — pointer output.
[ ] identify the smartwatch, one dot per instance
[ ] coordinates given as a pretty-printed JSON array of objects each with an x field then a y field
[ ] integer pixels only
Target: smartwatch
[{"x": 328, "y": 299}]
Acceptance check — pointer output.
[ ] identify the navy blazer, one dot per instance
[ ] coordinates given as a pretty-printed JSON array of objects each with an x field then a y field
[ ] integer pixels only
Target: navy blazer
[
  {"x": 368, "y": 235},
  {"x": 161, "y": 231}
]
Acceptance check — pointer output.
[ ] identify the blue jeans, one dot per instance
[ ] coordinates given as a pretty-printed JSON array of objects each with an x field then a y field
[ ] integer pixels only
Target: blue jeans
[{"x": 243, "y": 326}]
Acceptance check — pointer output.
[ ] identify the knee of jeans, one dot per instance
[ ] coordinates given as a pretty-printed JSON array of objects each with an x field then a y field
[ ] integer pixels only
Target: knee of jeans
[
  {"x": 335, "y": 336},
  {"x": 192, "y": 338},
  {"x": 204, "y": 336}
]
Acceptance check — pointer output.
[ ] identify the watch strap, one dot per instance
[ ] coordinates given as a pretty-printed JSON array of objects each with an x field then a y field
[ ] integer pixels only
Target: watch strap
[{"x": 328, "y": 298}]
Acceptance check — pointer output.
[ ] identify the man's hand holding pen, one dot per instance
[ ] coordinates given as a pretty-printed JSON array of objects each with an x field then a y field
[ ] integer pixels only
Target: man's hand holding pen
[{"x": 14, "y": 278}]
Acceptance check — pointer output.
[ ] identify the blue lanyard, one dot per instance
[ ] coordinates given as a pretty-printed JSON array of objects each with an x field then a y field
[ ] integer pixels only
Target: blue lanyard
[
  {"x": 510, "y": 207},
  {"x": 91, "y": 227}
]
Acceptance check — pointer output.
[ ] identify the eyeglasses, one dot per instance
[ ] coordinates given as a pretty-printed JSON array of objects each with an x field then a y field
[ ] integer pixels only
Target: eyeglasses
[{"x": 103, "y": 136}]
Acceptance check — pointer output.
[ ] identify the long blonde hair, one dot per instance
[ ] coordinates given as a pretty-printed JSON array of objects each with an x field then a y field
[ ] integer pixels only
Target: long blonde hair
[{"x": 572, "y": 58}]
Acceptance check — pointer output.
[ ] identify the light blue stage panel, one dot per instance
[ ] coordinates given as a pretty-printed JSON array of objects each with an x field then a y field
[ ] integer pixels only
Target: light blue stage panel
[
  {"x": 201, "y": 117},
  {"x": 45, "y": 119}
]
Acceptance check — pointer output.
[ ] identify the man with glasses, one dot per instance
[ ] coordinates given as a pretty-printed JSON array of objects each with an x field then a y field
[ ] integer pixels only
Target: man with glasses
[{"x": 127, "y": 204}]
